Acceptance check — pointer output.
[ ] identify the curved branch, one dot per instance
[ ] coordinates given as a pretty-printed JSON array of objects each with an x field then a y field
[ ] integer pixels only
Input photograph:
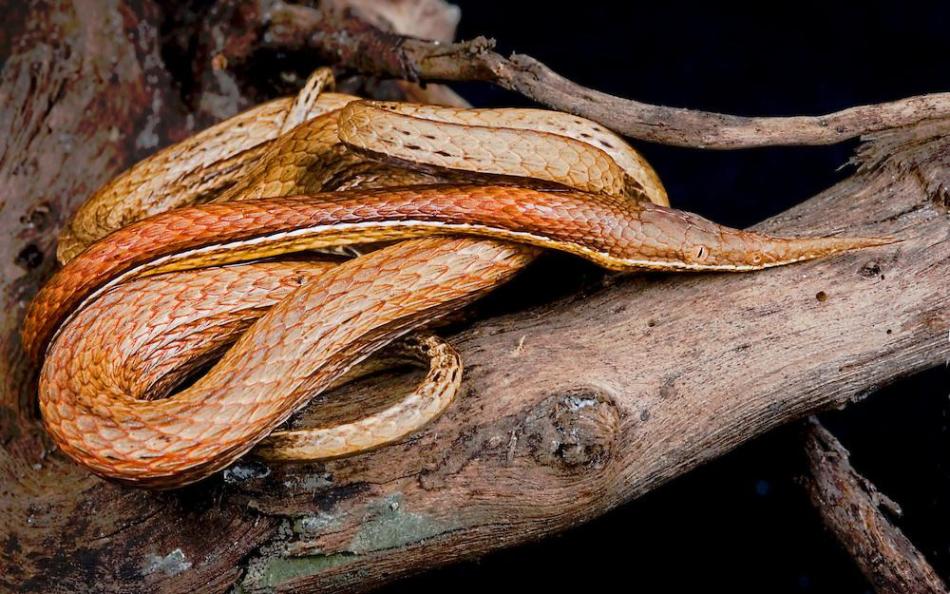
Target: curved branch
[{"x": 351, "y": 42}]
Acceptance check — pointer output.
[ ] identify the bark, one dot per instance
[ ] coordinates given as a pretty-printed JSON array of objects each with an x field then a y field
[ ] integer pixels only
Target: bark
[
  {"x": 342, "y": 38},
  {"x": 568, "y": 409},
  {"x": 857, "y": 513},
  {"x": 577, "y": 407},
  {"x": 81, "y": 97}
]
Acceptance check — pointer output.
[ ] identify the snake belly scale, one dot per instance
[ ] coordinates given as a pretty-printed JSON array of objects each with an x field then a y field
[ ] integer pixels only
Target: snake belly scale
[{"x": 220, "y": 251}]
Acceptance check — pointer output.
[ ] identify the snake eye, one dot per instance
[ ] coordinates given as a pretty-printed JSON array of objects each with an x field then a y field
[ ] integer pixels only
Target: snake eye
[{"x": 701, "y": 254}]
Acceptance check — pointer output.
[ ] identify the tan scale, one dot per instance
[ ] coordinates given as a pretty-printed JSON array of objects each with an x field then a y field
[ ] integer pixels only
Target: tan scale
[{"x": 180, "y": 288}]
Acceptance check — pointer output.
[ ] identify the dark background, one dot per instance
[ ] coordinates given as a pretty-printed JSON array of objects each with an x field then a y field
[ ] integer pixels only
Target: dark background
[{"x": 742, "y": 523}]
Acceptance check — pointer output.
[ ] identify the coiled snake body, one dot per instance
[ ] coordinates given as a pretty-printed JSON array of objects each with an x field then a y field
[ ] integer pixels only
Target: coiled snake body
[{"x": 170, "y": 266}]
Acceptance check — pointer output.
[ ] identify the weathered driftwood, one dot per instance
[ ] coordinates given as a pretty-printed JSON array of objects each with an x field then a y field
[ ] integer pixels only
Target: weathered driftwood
[
  {"x": 341, "y": 38},
  {"x": 854, "y": 510},
  {"x": 568, "y": 410}
]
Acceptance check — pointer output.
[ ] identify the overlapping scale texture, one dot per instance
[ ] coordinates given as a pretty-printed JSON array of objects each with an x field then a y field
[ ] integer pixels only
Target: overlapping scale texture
[{"x": 169, "y": 277}]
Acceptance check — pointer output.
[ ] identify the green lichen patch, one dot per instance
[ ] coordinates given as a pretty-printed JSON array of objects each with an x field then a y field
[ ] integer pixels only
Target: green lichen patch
[
  {"x": 279, "y": 570},
  {"x": 389, "y": 526}
]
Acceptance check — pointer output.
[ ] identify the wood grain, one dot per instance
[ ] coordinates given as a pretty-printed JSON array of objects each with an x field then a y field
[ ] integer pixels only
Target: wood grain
[
  {"x": 568, "y": 409},
  {"x": 354, "y": 42},
  {"x": 857, "y": 513}
]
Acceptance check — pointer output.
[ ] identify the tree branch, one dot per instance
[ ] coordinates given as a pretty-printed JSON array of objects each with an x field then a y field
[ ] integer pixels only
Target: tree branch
[
  {"x": 577, "y": 407},
  {"x": 349, "y": 41},
  {"x": 853, "y": 509},
  {"x": 568, "y": 410}
]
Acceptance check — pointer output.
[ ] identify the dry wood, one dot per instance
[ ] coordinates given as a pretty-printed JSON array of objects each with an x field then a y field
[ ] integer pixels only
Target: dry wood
[
  {"x": 568, "y": 410},
  {"x": 854, "y": 510},
  {"x": 577, "y": 407},
  {"x": 341, "y": 38}
]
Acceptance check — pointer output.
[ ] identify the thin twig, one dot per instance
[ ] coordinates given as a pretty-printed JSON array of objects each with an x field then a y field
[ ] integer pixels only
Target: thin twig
[
  {"x": 852, "y": 508},
  {"x": 348, "y": 41}
]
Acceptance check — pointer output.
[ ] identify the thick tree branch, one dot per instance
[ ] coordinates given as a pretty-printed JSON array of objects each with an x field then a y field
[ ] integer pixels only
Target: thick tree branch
[
  {"x": 568, "y": 410},
  {"x": 354, "y": 43},
  {"x": 854, "y": 510},
  {"x": 577, "y": 407}
]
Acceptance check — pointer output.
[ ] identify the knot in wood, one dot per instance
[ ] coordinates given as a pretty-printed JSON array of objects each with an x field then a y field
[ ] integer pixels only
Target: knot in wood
[{"x": 576, "y": 428}]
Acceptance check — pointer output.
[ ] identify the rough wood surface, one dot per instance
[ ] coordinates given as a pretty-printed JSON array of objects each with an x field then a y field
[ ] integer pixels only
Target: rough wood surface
[
  {"x": 574, "y": 408},
  {"x": 568, "y": 410},
  {"x": 854, "y": 510},
  {"x": 81, "y": 97},
  {"x": 344, "y": 39}
]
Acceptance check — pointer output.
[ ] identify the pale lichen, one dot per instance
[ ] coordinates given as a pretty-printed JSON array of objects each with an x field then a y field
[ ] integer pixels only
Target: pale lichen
[
  {"x": 391, "y": 525},
  {"x": 171, "y": 564}
]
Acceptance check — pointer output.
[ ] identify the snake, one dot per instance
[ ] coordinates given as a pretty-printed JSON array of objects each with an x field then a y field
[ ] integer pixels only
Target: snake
[{"x": 216, "y": 288}]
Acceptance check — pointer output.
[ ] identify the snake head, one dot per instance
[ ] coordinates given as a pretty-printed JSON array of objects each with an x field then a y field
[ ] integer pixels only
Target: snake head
[{"x": 678, "y": 240}]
